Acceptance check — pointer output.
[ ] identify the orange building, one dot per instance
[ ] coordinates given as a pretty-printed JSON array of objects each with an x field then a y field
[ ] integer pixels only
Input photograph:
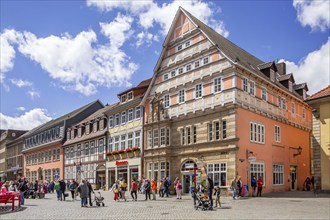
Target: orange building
[
  {"x": 213, "y": 108},
  {"x": 42, "y": 146}
]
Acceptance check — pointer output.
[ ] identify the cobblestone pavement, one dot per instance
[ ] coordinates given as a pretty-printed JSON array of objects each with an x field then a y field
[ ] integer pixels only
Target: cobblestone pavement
[{"x": 171, "y": 208}]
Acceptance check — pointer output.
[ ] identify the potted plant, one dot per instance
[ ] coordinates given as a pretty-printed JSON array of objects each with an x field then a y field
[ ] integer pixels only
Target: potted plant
[
  {"x": 136, "y": 151},
  {"x": 122, "y": 154},
  {"x": 129, "y": 152}
]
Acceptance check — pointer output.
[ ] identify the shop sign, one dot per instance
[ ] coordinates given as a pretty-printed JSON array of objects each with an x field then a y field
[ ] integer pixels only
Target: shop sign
[
  {"x": 120, "y": 163},
  {"x": 14, "y": 168},
  {"x": 189, "y": 165},
  {"x": 252, "y": 158}
]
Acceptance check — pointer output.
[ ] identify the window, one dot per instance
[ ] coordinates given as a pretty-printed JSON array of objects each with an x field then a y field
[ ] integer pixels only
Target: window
[
  {"x": 188, "y": 67},
  {"x": 196, "y": 63},
  {"x": 130, "y": 140},
  {"x": 149, "y": 136},
  {"x": 277, "y": 134},
  {"x": 123, "y": 142},
  {"x": 166, "y": 101},
  {"x": 284, "y": 104},
  {"x": 181, "y": 96},
  {"x": 173, "y": 73},
  {"x": 303, "y": 113},
  {"x": 257, "y": 170},
  {"x": 206, "y": 60},
  {"x": 130, "y": 115},
  {"x": 138, "y": 112},
  {"x": 194, "y": 135},
  {"x": 92, "y": 150},
  {"x": 137, "y": 138},
  {"x": 264, "y": 94},
  {"x": 78, "y": 153},
  {"x": 218, "y": 173},
  {"x": 86, "y": 149},
  {"x": 252, "y": 88},
  {"x": 217, "y": 85},
  {"x": 162, "y": 136},
  {"x": 278, "y": 174},
  {"x": 187, "y": 44},
  {"x": 257, "y": 133},
  {"x": 217, "y": 130},
  {"x": 155, "y": 177},
  {"x": 165, "y": 76},
  {"x": 180, "y": 70},
  {"x": 183, "y": 136},
  {"x": 167, "y": 136},
  {"x": 245, "y": 85},
  {"x": 117, "y": 143},
  {"x": 117, "y": 119},
  {"x": 224, "y": 129},
  {"x": 198, "y": 91},
  {"x": 94, "y": 126},
  {"x": 155, "y": 137},
  {"x": 293, "y": 108},
  {"x": 149, "y": 170},
  {"x": 164, "y": 169},
  {"x": 209, "y": 132},
  {"x": 110, "y": 121},
  {"x": 123, "y": 117},
  {"x": 123, "y": 98},
  {"x": 188, "y": 135},
  {"x": 179, "y": 47},
  {"x": 130, "y": 96},
  {"x": 279, "y": 102}
]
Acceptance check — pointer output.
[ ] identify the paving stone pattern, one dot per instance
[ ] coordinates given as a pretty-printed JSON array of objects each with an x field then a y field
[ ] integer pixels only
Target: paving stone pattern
[{"x": 171, "y": 208}]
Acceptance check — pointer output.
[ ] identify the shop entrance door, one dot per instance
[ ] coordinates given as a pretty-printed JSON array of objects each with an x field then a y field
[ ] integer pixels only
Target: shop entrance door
[
  {"x": 293, "y": 178},
  {"x": 187, "y": 181}
]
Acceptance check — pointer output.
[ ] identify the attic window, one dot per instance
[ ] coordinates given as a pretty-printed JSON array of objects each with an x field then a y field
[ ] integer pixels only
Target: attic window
[
  {"x": 130, "y": 96},
  {"x": 123, "y": 98}
]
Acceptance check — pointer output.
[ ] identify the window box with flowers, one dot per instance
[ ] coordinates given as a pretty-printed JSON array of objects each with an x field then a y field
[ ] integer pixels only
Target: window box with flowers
[
  {"x": 136, "y": 151},
  {"x": 122, "y": 154},
  {"x": 129, "y": 152}
]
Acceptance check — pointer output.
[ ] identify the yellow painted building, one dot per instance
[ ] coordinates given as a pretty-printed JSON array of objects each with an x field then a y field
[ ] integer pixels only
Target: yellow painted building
[{"x": 320, "y": 102}]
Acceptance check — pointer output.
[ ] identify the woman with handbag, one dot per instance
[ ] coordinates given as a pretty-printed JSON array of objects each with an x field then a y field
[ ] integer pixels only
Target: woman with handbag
[{"x": 115, "y": 190}]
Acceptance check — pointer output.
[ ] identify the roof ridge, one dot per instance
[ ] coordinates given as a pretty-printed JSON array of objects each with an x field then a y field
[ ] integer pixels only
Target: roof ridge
[{"x": 315, "y": 95}]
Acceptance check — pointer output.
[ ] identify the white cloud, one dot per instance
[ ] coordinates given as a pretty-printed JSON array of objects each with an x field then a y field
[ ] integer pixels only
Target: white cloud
[
  {"x": 33, "y": 94},
  {"x": 313, "y": 69},
  {"x": 145, "y": 38},
  {"x": 7, "y": 52},
  {"x": 315, "y": 14},
  {"x": 21, "y": 83},
  {"x": 79, "y": 63},
  {"x": 27, "y": 121},
  {"x": 21, "y": 108},
  {"x": 150, "y": 13}
]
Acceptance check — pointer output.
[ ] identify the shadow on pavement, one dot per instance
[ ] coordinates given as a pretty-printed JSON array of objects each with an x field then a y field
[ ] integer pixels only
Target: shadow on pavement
[{"x": 7, "y": 209}]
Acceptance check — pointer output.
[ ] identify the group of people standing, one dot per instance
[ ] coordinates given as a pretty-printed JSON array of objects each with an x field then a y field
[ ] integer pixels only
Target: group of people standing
[{"x": 237, "y": 186}]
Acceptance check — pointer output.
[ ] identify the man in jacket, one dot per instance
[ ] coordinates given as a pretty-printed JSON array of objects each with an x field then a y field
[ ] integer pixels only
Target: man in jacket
[
  {"x": 210, "y": 187},
  {"x": 22, "y": 187},
  {"x": 90, "y": 191},
  {"x": 62, "y": 189},
  {"x": 147, "y": 187}
]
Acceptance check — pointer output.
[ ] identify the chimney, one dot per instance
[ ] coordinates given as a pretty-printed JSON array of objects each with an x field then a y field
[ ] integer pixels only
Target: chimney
[{"x": 281, "y": 68}]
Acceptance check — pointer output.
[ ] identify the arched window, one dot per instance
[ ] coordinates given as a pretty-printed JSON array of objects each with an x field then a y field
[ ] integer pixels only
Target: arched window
[{"x": 189, "y": 165}]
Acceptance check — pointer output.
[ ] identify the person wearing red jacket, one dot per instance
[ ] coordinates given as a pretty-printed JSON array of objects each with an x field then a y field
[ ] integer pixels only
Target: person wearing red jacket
[
  {"x": 153, "y": 189},
  {"x": 134, "y": 188},
  {"x": 260, "y": 183}
]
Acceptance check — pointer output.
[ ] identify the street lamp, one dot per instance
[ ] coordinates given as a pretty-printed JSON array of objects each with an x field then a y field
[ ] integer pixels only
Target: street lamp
[{"x": 299, "y": 149}]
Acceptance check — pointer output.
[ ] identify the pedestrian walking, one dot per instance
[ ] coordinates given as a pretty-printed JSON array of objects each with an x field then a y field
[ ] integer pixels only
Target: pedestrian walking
[
  {"x": 58, "y": 190},
  {"x": 22, "y": 188},
  {"x": 90, "y": 191},
  {"x": 178, "y": 189},
  {"x": 210, "y": 187},
  {"x": 234, "y": 188},
  {"x": 161, "y": 188},
  {"x": 146, "y": 188},
  {"x": 260, "y": 183},
  {"x": 167, "y": 184},
  {"x": 253, "y": 186},
  {"x": 153, "y": 189},
  {"x": 217, "y": 196},
  {"x": 134, "y": 189},
  {"x": 240, "y": 186},
  {"x": 62, "y": 189},
  {"x": 72, "y": 188},
  {"x": 123, "y": 188},
  {"x": 84, "y": 192},
  {"x": 115, "y": 190}
]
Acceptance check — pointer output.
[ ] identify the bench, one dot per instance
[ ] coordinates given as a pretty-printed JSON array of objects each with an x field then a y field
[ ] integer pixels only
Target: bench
[{"x": 11, "y": 197}]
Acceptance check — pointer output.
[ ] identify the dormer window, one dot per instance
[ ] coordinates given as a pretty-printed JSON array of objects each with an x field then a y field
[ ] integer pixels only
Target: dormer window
[
  {"x": 123, "y": 98},
  {"x": 130, "y": 96},
  {"x": 79, "y": 132},
  {"x": 179, "y": 47},
  {"x": 72, "y": 134},
  {"x": 95, "y": 126},
  {"x": 87, "y": 129}
]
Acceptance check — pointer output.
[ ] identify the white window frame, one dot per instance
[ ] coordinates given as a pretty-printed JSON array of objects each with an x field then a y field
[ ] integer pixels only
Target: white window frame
[
  {"x": 188, "y": 67},
  {"x": 123, "y": 97},
  {"x": 123, "y": 116},
  {"x": 162, "y": 136},
  {"x": 155, "y": 137},
  {"x": 278, "y": 174},
  {"x": 137, "y": 139},
  {"x": 117, "y": 120},
  {"x": 165, "y": 76},
  {"x": 181, "y": 96},
  {"x": 264, "y": 94},
  {"x": 214, "y": 169},
  {"x": 257, "y": 169},
  {"x": 129, "y": 98},
  {"x": 166, "y": 101},
  {"x": 173, "y": 73},
  {"x": 138, "y": 112},
  {"x": 293, "y": 108},
  {"x": 116, "y": 142},
  {"x": 257, "y": 133},
  {"x": 149, "y": 139},
  {"x": 277, "y": 134},
  {"x": 245, "y": 85},
  {"x": 180, "y": 70},
  {"x": 130, "y": 115},
  {"x": 198, "y": 64},
  {"x": 252, "y": 88},
  {"x": 198, "y": 91},
  {"x": 217, "y": 85},
  {"x": 224, "y": 129},
  {"x": 217, "y": 130},
  {"x": 130, "y": 140},
  {"x": 123, "y": 142},
  {"x": 206, "y": 60}
]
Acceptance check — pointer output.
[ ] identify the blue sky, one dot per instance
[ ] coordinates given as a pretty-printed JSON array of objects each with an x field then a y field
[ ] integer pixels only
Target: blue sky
[{"x": 59, "y": 55}]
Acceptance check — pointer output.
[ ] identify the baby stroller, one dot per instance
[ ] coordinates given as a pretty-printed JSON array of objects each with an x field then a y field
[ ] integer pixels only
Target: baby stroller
[
  {"x": 98, "y": 199},
  {"x": 30, "y": 193},
  {"x": 203, "y": 202}
]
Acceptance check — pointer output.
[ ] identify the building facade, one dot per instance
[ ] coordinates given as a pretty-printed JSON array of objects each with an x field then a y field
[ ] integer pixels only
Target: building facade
[
  {"x": 212, "y": 108},
  {"x": 42, "y": 146},
  {"x": 320, "y": 102},
  {"x": 10, "y": 154},
  {"x": 85, "y": 149},
  {"x": 125, "y": 136}
]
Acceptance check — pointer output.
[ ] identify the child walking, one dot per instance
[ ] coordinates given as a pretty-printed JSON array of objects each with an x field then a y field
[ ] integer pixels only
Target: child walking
[{"x": 217, "y": 196}]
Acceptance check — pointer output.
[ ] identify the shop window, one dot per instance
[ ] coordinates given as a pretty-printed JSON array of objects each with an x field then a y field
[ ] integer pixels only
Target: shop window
[
  {"x": 278, "y": 174},
  {"x": 218, "y": 173},
  {"x": 257, "y": 170}
]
